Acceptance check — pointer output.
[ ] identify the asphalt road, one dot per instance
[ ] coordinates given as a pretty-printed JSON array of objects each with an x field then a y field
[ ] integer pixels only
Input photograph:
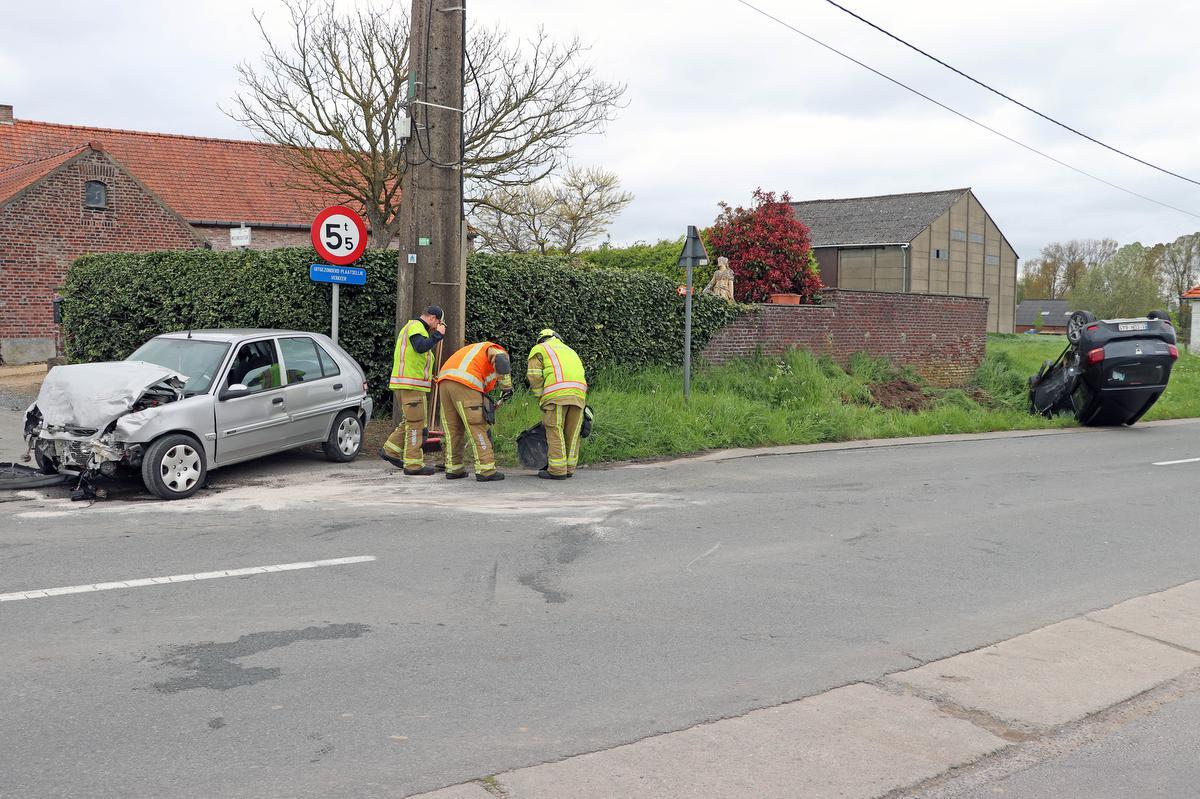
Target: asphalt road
[{"x": 509, "y": 624}]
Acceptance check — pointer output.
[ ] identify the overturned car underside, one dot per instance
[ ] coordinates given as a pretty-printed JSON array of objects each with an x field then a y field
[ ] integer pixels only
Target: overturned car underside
[{"x": 87, "y": 417}]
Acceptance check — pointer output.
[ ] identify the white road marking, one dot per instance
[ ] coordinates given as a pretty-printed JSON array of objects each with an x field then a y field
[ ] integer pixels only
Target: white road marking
[
  {"x": 41, "y": 593},
  {"x": 1172, "y": 463},
  {"x": 688, "y": 568}
]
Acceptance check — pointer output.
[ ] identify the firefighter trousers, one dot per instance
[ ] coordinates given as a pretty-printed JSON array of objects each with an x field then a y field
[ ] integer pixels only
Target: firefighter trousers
[
  {"x": 463, "y": 423},
  {"x": 405, "y": 441},
  {"x": 563, "y": 423}
]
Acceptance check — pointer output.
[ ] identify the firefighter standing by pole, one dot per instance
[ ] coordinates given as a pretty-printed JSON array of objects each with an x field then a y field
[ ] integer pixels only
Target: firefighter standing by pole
[
  {"x": 467, "y": 412},
  {"x": 411, "y": 382},
  {"x": 556, "y": 377}
]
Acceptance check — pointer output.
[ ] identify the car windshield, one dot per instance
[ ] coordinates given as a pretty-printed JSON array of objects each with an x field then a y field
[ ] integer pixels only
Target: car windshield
[{"x": 197, "y": 360}]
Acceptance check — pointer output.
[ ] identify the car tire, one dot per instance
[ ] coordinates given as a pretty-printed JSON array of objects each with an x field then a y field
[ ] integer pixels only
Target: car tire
[
  {"x": 345, "y": 437},
  {"x": 1077, "y": 322},
  {"x": 1163, "y": 315},
  {"x": 44, "y": 464},
  {"x": 173, "y": 467}
]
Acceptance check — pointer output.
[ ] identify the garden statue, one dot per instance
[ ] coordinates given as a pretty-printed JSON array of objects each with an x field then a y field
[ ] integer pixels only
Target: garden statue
[{"x": 721, "y": 284}]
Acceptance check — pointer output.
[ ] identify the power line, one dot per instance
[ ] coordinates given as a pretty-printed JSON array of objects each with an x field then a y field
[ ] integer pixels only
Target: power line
[
  {"x": 960, "y": 114},
  {"x": 1013, "y": 100}
]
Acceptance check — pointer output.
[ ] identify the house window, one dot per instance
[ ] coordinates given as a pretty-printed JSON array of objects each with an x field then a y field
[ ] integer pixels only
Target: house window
[
  {"x": 958, "y": 235},
  {"x": 95, "y": 194},
  {"x": 941, "y": 255},
  {"x": 992, "y": 260},
  {"x": 977, "y": 238}
]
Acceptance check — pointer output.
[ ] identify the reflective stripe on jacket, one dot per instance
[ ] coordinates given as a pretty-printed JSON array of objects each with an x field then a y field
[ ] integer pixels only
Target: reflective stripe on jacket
[
  {"x": 411, "y": 370},
  {"x": 562, "y": 373},
  {"x": 472, "y": 366}
]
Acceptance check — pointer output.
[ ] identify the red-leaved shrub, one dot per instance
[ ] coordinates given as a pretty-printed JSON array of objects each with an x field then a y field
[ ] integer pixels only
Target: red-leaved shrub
[{"x": 768, "y": 248}]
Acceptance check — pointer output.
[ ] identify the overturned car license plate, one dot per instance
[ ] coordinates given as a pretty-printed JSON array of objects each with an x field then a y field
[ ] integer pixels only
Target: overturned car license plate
[{"x": 1133, "y": 326}]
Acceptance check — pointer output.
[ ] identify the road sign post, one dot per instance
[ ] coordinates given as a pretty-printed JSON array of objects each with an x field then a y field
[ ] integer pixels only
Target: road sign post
[
  {"x": 693, "y": 255},
  {"x": 338, "y": 276},
  {"x": 340, "y": 237}
]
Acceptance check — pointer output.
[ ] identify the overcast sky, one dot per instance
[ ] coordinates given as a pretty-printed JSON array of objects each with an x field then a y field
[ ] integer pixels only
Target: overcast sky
[{"x": 722, "y": 100}]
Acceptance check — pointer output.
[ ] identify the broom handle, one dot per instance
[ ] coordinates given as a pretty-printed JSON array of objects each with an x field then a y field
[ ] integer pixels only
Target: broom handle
[{"x": 437, "y": 365}]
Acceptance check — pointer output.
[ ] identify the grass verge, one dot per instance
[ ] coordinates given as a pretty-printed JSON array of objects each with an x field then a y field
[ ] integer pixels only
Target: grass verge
[{"x": 801, "y": 399}]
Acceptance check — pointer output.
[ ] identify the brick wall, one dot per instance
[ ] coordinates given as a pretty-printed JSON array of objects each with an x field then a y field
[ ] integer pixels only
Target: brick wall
[
  {"x": 48, "y": 227},
  {"x": 941, "y": 337}
]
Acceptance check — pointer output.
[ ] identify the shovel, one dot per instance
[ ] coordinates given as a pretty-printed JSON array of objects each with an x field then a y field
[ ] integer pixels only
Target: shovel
[{"x": 432, "y": 441}]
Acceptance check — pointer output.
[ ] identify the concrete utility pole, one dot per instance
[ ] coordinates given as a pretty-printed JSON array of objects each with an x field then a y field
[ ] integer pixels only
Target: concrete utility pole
[{"x": 430, "y": 269}]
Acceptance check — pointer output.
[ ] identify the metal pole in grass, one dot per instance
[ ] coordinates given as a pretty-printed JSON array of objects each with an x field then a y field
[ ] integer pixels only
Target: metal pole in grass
[{"x": 693, "y": 255}]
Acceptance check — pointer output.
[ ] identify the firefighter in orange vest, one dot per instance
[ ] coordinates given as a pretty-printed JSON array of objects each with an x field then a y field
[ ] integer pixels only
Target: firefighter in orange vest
[{"x": 464, "y": 381}]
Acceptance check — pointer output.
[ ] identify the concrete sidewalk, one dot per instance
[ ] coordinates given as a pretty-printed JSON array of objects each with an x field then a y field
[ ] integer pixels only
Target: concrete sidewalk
[{"x": 868, "y": 740}]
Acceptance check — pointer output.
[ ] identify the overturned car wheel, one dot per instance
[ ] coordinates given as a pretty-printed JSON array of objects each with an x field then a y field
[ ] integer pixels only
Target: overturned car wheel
[{"x": 173, "y": 467}]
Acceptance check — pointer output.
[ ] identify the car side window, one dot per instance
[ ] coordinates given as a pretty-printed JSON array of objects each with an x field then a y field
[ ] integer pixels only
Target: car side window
[
  {"x": 301, "y": 359},
  {"x": 256, "y": 366},
  {"x": 329, "y": 366}
]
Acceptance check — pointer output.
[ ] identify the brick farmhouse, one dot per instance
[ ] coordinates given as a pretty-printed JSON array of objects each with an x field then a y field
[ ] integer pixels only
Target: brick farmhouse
[{"x": 67, "y": 190}]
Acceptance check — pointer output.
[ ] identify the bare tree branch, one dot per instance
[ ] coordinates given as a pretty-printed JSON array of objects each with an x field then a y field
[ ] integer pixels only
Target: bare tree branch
[
  {"x": 333, "y": 93},
  {"x": 561, "y": 217}
]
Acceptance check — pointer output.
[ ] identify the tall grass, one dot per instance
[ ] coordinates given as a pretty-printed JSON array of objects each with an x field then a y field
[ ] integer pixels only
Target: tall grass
[{"x": 798, "y": 398}]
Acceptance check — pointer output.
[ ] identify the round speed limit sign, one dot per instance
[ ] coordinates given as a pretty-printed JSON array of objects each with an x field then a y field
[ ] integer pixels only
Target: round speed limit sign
[{"x": 339, "y": 235}]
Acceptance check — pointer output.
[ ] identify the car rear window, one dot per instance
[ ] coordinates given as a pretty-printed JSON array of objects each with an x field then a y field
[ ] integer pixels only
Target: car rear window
[
  {"x": 329, "y": 366},
  {"x": 301, "y": 359}
]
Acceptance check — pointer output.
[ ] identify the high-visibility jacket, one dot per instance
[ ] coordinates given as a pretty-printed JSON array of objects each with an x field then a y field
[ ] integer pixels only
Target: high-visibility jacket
[
  {"x": 561, "y": 374},
  {"x": 472, "y": 366},
  {"x": 411, "y": 370}
]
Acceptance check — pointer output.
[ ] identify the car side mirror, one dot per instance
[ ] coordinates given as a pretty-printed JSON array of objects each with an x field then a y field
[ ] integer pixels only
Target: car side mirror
[{"x": 234, "y": 391}]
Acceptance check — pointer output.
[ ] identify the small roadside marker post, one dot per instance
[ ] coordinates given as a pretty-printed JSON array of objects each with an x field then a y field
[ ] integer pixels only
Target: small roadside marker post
[{"x": 693, "y": 255}]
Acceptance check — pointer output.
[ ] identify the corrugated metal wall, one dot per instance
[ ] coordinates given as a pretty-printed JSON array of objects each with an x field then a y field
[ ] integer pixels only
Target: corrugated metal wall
[{"x": 961, "y": 253}]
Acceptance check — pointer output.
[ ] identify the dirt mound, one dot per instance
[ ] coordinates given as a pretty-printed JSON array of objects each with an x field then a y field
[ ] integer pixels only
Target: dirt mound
[{"x": 900, "y": 395}]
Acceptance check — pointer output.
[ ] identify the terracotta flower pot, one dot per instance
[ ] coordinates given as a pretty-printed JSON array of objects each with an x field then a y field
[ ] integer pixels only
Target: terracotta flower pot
[{"x": 784, "y": 299}]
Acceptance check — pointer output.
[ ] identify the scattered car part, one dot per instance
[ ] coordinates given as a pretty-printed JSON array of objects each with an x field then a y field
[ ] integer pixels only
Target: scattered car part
[{"x": 17, "y": 477}]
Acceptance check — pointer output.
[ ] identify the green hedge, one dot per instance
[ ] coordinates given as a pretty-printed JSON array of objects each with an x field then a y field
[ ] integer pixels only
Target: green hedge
[{"x": 628, "y": 318}]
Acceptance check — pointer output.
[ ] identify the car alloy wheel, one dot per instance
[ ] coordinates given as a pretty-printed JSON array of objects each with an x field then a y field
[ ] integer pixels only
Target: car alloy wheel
[
  {"x": 180, "y": 468},
  {"x": 349, "y": 435}
]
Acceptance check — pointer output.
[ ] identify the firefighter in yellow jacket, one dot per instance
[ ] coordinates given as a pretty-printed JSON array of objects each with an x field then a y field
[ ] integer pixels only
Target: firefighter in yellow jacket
[
  {"x": 466, "y": 377},
  {"x": 411, "y": 382},
  {"x": 557, "y": 379}
]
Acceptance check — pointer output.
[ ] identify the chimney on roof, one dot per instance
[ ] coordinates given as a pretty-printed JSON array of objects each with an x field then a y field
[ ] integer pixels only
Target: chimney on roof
[{"x": 6, "y": 115}]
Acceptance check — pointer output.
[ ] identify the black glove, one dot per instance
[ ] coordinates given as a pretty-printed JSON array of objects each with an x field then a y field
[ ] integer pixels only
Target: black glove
[{"x": 506, "y": 395}]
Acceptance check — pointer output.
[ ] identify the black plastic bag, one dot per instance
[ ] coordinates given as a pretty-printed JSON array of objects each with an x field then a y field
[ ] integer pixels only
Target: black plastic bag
[{"x": 532, "y": 448}]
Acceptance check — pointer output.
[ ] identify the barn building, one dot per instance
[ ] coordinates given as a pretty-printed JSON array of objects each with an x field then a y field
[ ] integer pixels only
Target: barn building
[{"x": 941, "y": 242}]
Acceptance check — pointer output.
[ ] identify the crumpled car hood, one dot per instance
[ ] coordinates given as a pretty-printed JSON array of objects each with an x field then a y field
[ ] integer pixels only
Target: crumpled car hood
[{"x": 91, "y": 395}]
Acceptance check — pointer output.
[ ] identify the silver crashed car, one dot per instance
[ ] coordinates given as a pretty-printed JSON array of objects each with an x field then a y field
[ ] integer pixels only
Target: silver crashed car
[{"x": 188, "y": 402}]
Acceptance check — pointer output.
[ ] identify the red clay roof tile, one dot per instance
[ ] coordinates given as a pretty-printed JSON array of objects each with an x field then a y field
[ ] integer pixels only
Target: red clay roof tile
[
  {"x": 19, "y": 176},
  {"x": 202, "y": 179}
]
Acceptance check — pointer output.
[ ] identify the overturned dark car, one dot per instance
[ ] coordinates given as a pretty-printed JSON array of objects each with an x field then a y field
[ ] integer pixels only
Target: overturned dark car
[{"x": 1112, "y": 371}]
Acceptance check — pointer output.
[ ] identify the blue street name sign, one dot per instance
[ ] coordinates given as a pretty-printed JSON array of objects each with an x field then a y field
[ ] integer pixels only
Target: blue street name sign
[{"x": 343, "y": 275}]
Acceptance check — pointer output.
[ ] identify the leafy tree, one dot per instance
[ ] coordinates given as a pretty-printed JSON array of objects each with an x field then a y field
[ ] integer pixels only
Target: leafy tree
[
  {"x": 333, "y": 92},
  {"x": 1059, "y": 267},
  {"x": 661, "y": 257},
  {"x": 1124, "y": 285},
  {"x": 559, "y": 216},
  {"x": 1180, "y": 266},
  {"x": 768, "y": 248}
]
